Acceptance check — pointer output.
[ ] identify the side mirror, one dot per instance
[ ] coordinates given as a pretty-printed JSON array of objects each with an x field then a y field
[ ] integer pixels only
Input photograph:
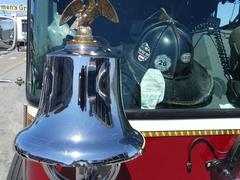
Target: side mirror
[{"x": 8, "y": 33}]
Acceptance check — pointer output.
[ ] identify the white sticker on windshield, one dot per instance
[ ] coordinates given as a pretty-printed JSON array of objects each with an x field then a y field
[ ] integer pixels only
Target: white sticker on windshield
[
  {"x": 152, "y": 89},
  {"x": 226, "y": 106}
]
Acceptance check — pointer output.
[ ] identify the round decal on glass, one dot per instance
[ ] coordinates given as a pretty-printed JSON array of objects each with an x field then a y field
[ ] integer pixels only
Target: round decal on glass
[
  {"x": 162, "y": 62},
  {"x": 186, "y": 57}
]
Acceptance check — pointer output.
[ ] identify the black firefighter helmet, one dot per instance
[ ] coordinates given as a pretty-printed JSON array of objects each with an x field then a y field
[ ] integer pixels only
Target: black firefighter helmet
[{"x": 167, "y": 46}]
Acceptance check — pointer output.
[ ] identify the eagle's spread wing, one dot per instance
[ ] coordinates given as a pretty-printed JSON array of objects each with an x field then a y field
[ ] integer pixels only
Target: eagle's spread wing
[
  {"x": 164, "y": 15},
  {"x": 74, "y": 25},
  {"x": 75, "y": 7},
  {"x": 106, "y": 9}
]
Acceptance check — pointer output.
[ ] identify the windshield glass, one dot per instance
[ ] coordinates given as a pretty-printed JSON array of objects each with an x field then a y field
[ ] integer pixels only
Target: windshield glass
[{"x": 175, "y": 54}]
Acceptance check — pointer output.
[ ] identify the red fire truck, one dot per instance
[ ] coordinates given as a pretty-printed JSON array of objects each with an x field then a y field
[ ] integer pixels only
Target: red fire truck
[{"x": 180, "y": 84}]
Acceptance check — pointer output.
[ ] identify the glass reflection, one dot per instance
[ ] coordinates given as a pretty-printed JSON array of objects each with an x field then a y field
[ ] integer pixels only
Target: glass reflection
[
  {"x": 58, "y": 89},
  {"x": 99, "y": 104},
  {"x": 6, "y": 32}
]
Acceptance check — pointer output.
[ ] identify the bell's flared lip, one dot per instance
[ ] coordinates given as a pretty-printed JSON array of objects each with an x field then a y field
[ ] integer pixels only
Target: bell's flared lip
[{"x": 116, "y": 159}]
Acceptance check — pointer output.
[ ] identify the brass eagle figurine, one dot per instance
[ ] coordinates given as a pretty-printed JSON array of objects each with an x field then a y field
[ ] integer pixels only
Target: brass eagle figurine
[{"x": 86, "y": 14}]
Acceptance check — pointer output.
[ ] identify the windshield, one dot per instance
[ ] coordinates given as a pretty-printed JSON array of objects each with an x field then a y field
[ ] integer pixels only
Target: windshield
[{"x": 178, "y": 54}]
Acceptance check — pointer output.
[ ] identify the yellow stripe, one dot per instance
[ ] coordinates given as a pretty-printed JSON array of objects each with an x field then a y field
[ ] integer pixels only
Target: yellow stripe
[{"x": 191, "y": 133}]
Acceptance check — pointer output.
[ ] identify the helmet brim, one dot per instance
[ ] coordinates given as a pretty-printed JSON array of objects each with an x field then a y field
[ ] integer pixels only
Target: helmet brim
[{"x": 194, "y": 89}]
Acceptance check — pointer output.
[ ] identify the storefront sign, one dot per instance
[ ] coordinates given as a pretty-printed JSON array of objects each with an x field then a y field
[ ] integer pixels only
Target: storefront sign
[{"x": 12, "y": 7}]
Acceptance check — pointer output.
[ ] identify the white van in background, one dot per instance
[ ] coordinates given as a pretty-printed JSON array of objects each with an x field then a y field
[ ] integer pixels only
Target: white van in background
[{"x": 21, "y": 21}]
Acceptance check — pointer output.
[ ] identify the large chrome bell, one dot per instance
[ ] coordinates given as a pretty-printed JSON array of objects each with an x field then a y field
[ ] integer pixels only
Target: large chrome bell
[
  {"x": 80, "y": 117},
  {"x": 80, "y": 120}
]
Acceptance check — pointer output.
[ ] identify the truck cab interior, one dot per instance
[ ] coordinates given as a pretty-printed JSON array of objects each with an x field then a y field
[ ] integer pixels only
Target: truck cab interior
[{"x": 189, "y": 41}]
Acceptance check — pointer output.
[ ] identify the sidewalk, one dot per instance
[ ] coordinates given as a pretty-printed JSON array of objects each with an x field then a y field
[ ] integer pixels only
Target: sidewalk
[{"x": 12, "y": 99}]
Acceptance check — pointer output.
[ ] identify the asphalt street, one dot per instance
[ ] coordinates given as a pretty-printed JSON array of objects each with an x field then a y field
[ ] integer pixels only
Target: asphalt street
[{"x": 12, "y": 99}]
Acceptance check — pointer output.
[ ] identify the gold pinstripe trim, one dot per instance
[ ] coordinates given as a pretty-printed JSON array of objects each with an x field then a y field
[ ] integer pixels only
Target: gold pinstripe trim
[{"x": 191, "y": 133}]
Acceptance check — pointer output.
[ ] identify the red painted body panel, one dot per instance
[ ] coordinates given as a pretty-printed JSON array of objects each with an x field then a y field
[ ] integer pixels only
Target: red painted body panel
[
  {"x": 36, "y": 172},
  {"x": 163, "y": 158}
]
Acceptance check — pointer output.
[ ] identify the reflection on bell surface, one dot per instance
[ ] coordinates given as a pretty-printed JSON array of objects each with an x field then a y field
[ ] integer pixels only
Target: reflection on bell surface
[{"x": 80, "y": 117}]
